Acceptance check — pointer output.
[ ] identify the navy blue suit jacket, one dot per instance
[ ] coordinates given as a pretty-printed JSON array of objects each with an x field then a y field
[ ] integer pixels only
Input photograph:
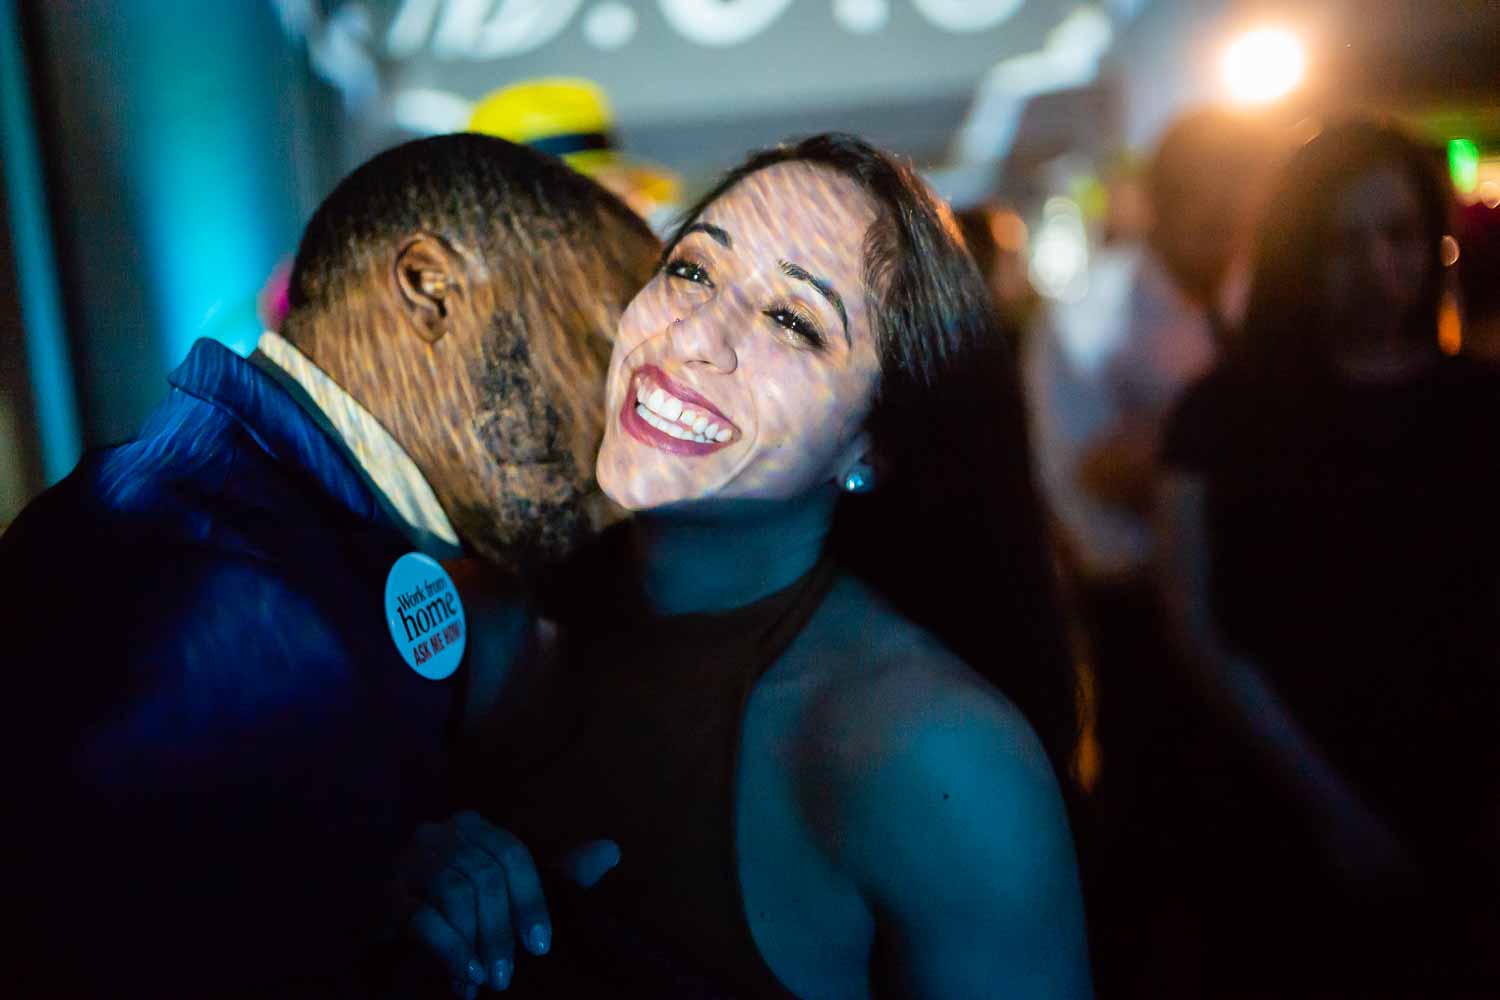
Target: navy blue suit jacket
[{"x": 220, "y": 751}]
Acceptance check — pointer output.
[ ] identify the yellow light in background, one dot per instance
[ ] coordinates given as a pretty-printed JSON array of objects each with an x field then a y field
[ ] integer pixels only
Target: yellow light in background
[
  {"x": 1264, "y": 65},
  {"x": 1009, "y": 231},
  {"x": 1450, "y": 326}
]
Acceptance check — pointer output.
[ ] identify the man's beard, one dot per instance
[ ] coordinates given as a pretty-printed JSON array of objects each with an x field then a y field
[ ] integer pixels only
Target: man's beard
[{"x": 540, "y": 499}]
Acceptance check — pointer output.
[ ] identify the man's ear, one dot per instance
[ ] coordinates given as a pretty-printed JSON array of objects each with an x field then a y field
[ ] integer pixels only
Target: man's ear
[{"x": 428, "y": 275}]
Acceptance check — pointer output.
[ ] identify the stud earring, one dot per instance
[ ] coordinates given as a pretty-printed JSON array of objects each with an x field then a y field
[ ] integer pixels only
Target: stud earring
[{"x": 861, "y": 479}]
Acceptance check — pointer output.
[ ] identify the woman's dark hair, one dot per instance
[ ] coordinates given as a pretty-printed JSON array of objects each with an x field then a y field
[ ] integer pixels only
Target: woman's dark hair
[
  {"x": 952, "y": 535},
  {"x": 1286, "y": 329}
]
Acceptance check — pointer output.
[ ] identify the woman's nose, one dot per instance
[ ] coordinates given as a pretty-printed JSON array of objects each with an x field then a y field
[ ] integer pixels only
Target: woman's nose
[{"x": 704, "y": 336}]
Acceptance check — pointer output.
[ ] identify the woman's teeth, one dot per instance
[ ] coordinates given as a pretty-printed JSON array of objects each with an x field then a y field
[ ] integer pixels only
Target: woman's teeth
[{"x": 668, "y": 414}]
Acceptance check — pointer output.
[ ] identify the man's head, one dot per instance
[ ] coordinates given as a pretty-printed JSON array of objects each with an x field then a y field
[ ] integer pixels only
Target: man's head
[
  {"x": 1201, "y": 183},
  {"x": 465, "y": 291}
]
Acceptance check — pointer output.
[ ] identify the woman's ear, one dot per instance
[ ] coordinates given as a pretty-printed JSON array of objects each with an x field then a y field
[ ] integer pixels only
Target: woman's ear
[
  {"x": 854, "y": 472},
  {"x": 428, "y": 278}
]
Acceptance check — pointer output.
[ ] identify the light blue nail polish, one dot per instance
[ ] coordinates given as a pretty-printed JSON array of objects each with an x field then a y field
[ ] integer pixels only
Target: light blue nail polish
[
  {"x": 500, "y": 978},
  {"x": 476, "y": 971},
  {"x": 541, "y": 939}
]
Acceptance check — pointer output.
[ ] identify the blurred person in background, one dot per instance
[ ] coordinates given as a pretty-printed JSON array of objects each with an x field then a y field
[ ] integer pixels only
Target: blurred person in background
[
  {"x": 1161, "y": 297},
  {"x": 1102, "y": 373},
  {"x": 1479, "y": 280},
  {"x": 815, "y": 690},
  {"x": 1331, "y": 564},
  {"x": 996, "y": 238},
  {"x": 225, "y": 746},
  {"x": 1201, "y": 183},
  {"x": 570, "y": 117}
]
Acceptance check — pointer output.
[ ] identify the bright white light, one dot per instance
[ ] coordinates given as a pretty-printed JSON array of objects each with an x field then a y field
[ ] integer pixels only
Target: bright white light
[
  {"x": 963, "y": 17},
  {"x": 408, "y": 31},
  {"x": 862, "y": 17},
  {"x": 430, "y": 112},
  {"x": 609, "y": 26},
  {"x": 1263, "y": 65},
  {"x": 721, "y": 23},
  {"x": 1060, "y": 252},
  {"x": 1069, "y": 58}
]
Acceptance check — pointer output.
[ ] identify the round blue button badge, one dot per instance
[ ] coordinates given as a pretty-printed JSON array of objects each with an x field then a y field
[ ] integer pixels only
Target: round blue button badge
[{"x": 425, "y": 615}]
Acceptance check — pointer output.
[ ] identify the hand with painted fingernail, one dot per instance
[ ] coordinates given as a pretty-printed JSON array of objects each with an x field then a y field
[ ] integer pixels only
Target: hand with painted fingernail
[{"x": 470, "y": 891}]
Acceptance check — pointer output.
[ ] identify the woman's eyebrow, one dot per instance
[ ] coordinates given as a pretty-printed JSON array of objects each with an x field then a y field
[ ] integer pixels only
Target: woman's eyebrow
[
  {"x": 824, "y": 288},
  {"x": 719, "y": 235}
]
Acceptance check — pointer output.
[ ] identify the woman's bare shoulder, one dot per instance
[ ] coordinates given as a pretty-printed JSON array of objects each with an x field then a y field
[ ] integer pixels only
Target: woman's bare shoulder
[
  {"x": 931, "y": 793},
  {"x": 882, "y": 683}
]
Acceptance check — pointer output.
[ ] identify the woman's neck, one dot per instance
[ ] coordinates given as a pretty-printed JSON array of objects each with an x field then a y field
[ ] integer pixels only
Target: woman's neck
[{"x": 722, "y": 555}]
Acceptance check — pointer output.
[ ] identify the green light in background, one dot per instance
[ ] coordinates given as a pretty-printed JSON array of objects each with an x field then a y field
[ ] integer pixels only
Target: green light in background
[{"x": 1463, "y": 165}]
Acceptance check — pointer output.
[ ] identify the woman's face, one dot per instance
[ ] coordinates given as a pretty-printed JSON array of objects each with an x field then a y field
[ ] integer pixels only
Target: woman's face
[
  {"x": 1378, "y": 254},
  {"x": 745, "y": 369}
]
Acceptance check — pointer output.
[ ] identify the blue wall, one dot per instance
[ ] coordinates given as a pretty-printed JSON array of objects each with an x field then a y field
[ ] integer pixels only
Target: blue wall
[
  {"x": 175, "y": 138},
  {"x": 48, "y": 365}
]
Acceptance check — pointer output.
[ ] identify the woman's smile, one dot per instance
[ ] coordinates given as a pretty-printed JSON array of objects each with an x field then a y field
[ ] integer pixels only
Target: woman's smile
[{"x": 667, "y": 415}]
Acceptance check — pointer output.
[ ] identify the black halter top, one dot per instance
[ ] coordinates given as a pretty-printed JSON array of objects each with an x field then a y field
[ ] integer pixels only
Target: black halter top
[{"x": 648, "y": 733}]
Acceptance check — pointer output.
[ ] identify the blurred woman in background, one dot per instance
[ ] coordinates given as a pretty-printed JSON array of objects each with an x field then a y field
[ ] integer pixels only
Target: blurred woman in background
[{"x": 1332, "y": 565}]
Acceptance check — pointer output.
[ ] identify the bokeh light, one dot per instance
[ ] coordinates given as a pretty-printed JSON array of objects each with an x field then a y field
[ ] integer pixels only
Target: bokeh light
[
  {"x": 1263, "y": 65},
  {"x": 1450, "y": 251},
  {"x": 1060, "y": 252},
  {"x": 1463, "y": 165},
  {"x": 1450, "y": 326}
]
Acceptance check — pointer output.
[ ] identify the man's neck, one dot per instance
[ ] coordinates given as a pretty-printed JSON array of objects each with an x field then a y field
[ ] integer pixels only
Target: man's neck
[
  {"x": 722, "y": 555},
  {"x": 384, "y": 464}
]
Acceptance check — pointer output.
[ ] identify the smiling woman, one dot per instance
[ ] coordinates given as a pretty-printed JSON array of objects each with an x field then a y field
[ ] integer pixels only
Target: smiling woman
[
  {"x": 818, "y": 296},
  {"x": 745, "y": 328},
  {"x": 811, "y": 689}
]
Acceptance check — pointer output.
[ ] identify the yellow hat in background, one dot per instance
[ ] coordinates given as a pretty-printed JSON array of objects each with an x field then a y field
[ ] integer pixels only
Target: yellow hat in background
[
  {"x": 570, "y": 118},
  {"x": 554, "y": 111}
]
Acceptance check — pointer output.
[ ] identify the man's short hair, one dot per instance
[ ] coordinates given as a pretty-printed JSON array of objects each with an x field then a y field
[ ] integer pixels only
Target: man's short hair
[
  {"x": 564, "y": 254},
  {"x": 493, "y": 196}
]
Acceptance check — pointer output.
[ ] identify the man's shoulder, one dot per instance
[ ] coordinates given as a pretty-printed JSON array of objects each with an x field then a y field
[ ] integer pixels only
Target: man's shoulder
[
  {"x": 185, "y": 543},
  {"x": 166, "y": 482},
  {"x": 195, "y": 480},
  {"x": 188, "y": 459}
]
